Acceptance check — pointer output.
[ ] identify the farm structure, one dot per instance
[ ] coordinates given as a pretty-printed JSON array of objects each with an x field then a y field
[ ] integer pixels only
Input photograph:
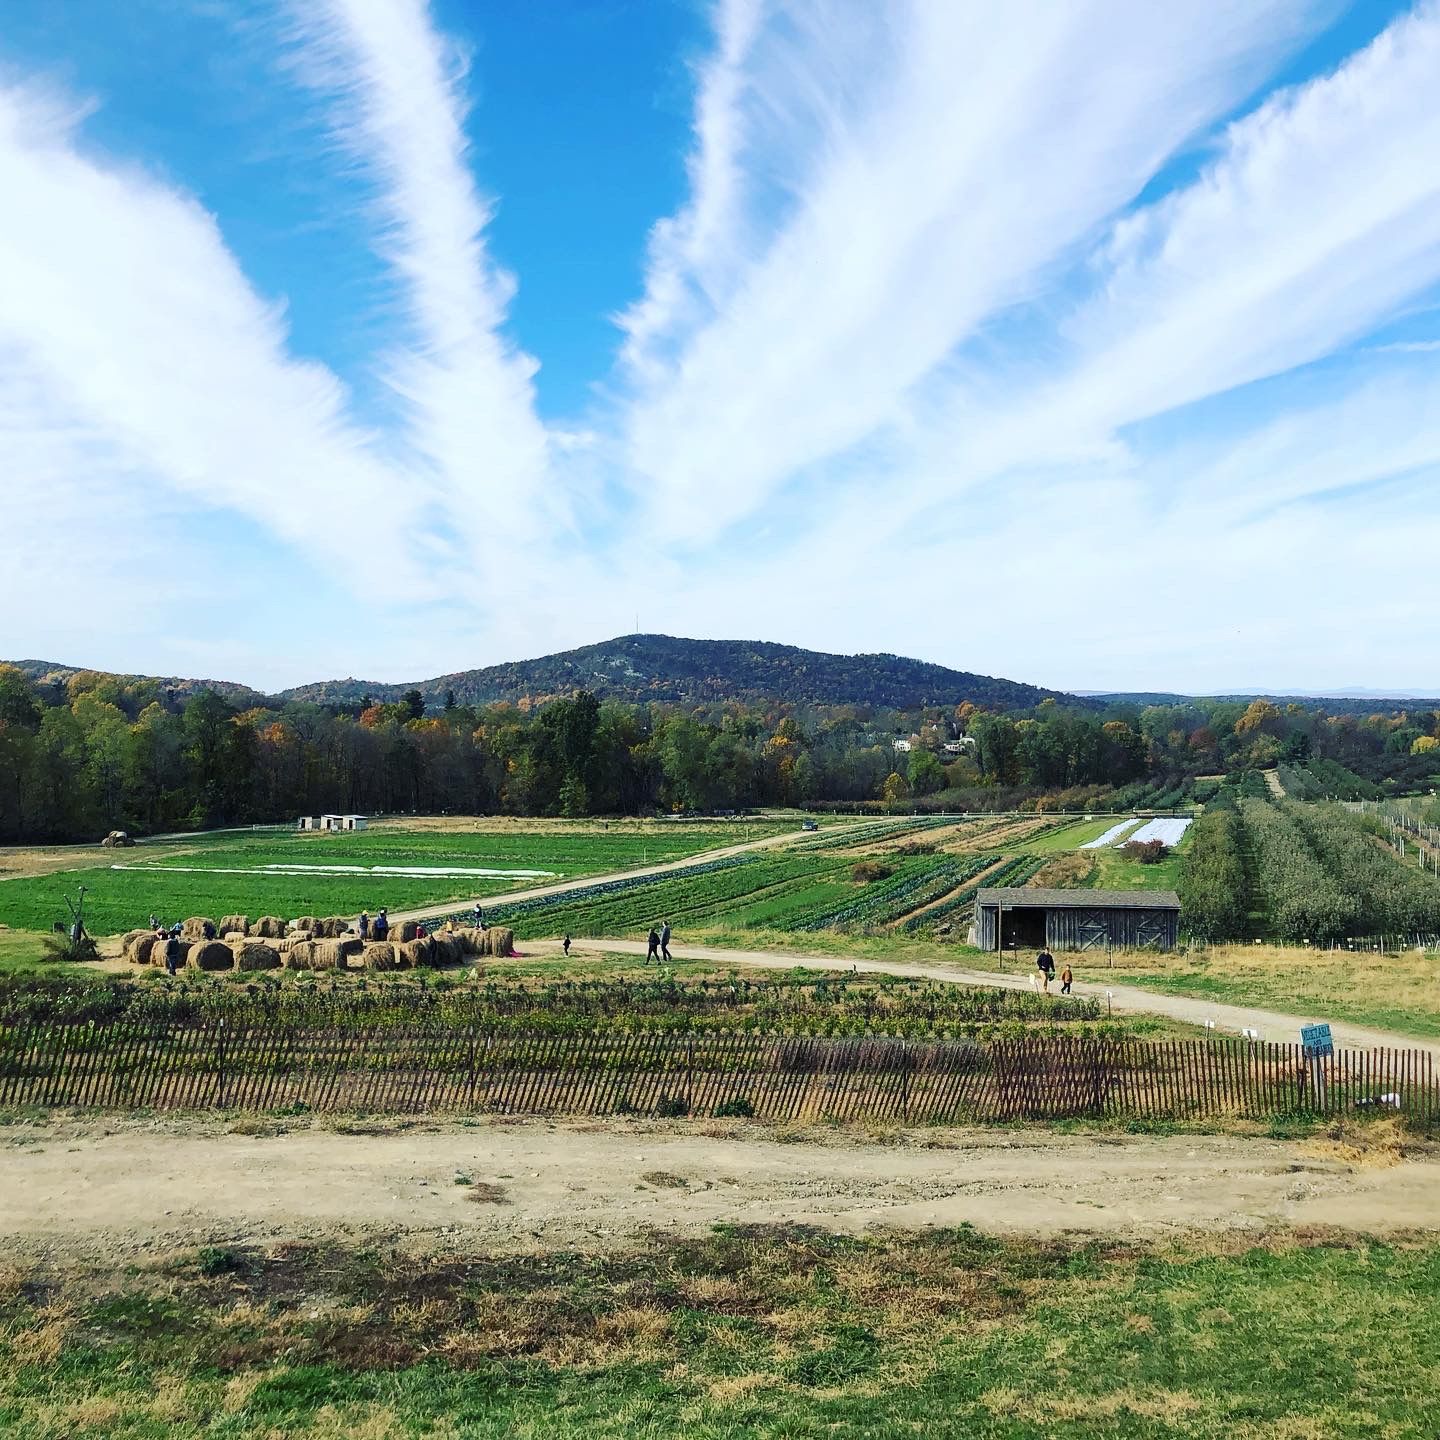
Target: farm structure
[
  {"x": 332, "y": 822},
  {"x": 1076, "y": 919}
]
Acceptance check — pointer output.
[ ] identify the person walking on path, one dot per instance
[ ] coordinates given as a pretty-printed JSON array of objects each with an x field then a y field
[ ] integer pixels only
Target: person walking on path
[
  {"x": 565, "y": 944},
  {"x": 382, "y": 924},
  {"x": 1045, "y": 964},
  {"x": 364, "y": 925},
  {"x": 665, "y": 942},
  {"x": 653, "y": 953},
  {"x": 1067, "y": 977}
]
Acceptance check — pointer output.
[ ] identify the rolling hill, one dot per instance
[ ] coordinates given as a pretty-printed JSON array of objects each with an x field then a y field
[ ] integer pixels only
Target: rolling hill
[{"x": 662, "y": 668}]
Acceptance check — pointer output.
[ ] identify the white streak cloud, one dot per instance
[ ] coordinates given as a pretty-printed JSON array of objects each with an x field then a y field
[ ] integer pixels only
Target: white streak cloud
[
  {"x": 937, "y": 181},
  {"x": 395, "y": 89}
]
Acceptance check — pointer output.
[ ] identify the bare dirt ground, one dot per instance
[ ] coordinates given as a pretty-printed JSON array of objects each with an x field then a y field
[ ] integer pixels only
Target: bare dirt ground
[
  {"x": 107, "y": 1187},
  {"x": 21, "y": 862}
]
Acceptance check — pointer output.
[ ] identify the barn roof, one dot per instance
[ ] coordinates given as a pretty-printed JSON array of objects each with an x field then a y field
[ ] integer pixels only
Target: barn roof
[{"x": 1039, "y": 898}]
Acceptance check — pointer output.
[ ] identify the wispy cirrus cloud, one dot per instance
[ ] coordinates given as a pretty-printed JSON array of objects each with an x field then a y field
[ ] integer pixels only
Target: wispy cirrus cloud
[
  {"x": 924, "y": 205},
  {"x": 146, "y": 356},
  {"x": 394, "y": 86}
]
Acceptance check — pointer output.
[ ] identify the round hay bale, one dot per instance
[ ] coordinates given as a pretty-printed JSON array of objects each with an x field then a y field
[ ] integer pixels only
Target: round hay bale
[
  {"x": 498, "y": 941},
  {"x": 307, "y": 923},
  {"x": 445, "y": 950},
  {"x": 378, "y": 955},
  {"x": 138, "y": 951},
  {"x": 270, "y": 927},
  {"x": 131, "y": 936},
  {"x": 404, "y": 930},
  {"x": 161, "y": 949},
  {"x": 194, "y": 927},
  {"x": 413, "y": 952},
  {"x": 235, "y": 925},
  {"x": 300, "y": 937},
  {"x": 327, "y": 955},
  {"x": 470, "y": 940},
  {"x": 300, "y": 955},
  {"x": 255, "y": 955},
  {"x": 210, "y": 955}
]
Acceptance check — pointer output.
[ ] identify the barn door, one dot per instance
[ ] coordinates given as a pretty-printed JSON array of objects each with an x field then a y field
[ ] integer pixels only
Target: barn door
[
  {"x": 1092, "y": 930},
  {"x": 1151, "y": 929}
]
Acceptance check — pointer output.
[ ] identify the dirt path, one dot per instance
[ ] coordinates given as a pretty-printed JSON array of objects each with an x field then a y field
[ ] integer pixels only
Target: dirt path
[
  {"x": 111, "y": 1188},
  {"x": 1124, "y": 999},
  {"x": 507, "y": 897},
  {"x": 1272, "y": 779}
]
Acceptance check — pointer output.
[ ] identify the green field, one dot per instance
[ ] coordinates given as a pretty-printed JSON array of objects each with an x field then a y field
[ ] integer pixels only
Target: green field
[
  {"x": 225, "y": 873},
  {"x": 747, "y": 1332}
]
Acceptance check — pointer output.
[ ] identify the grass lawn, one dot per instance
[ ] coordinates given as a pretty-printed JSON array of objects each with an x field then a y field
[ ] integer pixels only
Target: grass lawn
[
  {"x": 1068, "y": 837},
  {"x": 1399, "y": 992},
  {"x": 227, "y": 874},
  {"x": 754, "y": 1332},
  {"x": 1114, "y": 871},
  {"x": 1394, "y": 991}
]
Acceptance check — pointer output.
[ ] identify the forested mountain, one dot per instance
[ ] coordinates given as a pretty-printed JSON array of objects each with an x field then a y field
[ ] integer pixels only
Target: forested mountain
[
  {"x": 672, "y": 671},
  {"x": 178, "y": 688}
]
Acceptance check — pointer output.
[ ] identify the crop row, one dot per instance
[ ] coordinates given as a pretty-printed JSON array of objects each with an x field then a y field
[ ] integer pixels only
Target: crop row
[
  {"x": 915, "y": 883},
  {"x": 1015, "y": 871}
]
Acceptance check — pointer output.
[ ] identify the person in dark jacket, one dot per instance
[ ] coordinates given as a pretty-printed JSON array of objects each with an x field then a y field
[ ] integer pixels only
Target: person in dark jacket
[
  {"x": 653, "y": 953},
  {"x": 1045, "y": 963},
  {"x": 565, "y": 944},
  {"x": 364, "y": 925},
  {"x": 665, "y": 942}
]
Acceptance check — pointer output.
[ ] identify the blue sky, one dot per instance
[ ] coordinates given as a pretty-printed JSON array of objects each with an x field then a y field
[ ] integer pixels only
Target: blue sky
[{"x": 1095, "y": 345}]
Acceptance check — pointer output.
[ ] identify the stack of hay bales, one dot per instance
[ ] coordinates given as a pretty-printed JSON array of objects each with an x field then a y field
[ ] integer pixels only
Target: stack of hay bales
[
  {"x": 470, "y": 940},
  {"x": 315, "y": 955},
  {"x": 254, "y": 955},
  {"x": 306, "y": 923},
  {"x": 210, "y": 955},
  {"x": 234, "y": 925},
  {"x": 379, "y": 955},
  {"x": 194, "y": 927},
  {"x": 497, "y": 941},
  {"x": 270, "y": 927}
]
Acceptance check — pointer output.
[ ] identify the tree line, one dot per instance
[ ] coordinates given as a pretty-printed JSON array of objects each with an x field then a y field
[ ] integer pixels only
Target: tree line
[{"x": 96, "y": 752}]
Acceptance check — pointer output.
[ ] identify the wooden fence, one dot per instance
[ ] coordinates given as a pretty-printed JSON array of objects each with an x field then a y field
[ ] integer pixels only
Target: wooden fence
[{"x": 133, "y": 1063}]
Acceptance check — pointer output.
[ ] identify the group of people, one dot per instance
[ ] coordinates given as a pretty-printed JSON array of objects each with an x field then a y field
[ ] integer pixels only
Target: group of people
[
  {"x": 376, "y": 929},
  {"x": 659, "y": 944},
  {"x": 1045, "y": 963}
]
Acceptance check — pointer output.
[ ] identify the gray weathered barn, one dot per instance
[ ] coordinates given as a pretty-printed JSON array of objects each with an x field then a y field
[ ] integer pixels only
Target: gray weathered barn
[{"x": 1076, "y": 919}]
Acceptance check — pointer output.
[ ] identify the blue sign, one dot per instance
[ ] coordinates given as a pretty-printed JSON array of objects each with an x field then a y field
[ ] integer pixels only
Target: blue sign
[{"x": 1317, "y": 1040}]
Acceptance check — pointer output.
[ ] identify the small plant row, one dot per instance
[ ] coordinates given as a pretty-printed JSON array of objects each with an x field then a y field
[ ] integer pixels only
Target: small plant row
[
  {"x": 1016, "y": 870},
  {"x": 826, "y": 1005},
  {"x": 915, "y": 883},
  {"x": 850, "y": 836}
]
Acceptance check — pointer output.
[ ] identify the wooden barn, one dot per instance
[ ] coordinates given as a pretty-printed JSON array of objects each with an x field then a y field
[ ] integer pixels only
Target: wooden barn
[{"x": 1076, "y": 919}]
